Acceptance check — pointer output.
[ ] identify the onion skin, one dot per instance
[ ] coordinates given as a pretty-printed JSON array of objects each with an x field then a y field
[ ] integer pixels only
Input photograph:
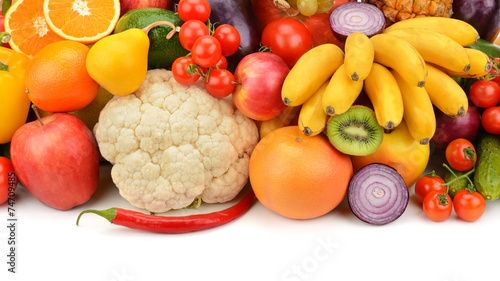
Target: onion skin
[
  {"x": 342, "y": 27},
  {"x": 377, "y": 194}
]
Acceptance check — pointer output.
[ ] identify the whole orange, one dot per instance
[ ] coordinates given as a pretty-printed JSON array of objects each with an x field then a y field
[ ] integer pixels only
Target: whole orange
[
  {"x": 298, "y": 176},
  {"x": 57, "y": 79}
]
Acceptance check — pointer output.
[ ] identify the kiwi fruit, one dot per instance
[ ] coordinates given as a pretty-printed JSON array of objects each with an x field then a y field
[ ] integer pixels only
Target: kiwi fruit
[{"x": 356, "y": 131}]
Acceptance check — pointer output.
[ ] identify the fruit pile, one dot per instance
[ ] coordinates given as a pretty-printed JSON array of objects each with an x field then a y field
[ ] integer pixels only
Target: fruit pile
[{"x": 317, "y": 101}]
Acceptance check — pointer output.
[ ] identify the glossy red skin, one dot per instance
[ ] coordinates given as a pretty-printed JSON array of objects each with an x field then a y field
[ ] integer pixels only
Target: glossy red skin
[
  {"x": 206, "y": 51},
  {"x": 190, "y": 31},
  {"x": 469, "y": 206},
  {"x": 434, "y": 210},
  {"x": 485, "y": 93},
  {"x": 8, "y": 178},
  {"x": 456, "y": 157},
  {"x": 288, "y": 38},
  {"x": 179, "y": 67},
  {"x": 426, "y": 184},
  {"x": 317, "y": 24},
  {"x": 220, "y": 83},
  {"x": 261, "y": 76},
  {"x": 490, "y": 120},
  {"x": 229, "y": 39},
  {"x": 193, "y": 9},
  {"x": 58, "y": 163},
  {"x": 127, "y": 5}
]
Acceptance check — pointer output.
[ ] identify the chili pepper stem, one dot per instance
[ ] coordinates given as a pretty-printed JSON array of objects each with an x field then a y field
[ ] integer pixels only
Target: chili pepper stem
[{"x": 108, "y": 214}]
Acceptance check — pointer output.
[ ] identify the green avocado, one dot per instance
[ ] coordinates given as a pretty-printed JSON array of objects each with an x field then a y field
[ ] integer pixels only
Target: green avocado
[{"x": 162, "y": 51}]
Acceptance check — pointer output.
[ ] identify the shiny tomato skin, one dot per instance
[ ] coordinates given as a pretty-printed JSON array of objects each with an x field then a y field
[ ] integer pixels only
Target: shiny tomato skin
[
  {"x": 434, "y": 210},
  {"x": 485, "y": 93},
  {"x": 194, "y": 9},
  {"x": 8, "y": 179},
  {"x": 490, "y": 120},
  {"x": 220, "y": 83},
  {"x": 287, "y": 38},
  {"x": 469, "y": 206},
  {"x": 179, "y": 71},
  {"x": 426, "y": 184},
  {"x": 455, "y": 155},
  {"x": 190, "y": 31},
  {"x": 206, "y": 51},
  {"x": 229, "y": 39}
]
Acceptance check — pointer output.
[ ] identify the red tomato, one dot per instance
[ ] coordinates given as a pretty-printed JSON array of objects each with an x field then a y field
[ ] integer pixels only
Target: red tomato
[
  {"x": 206, "y": 51},
  {"x": 469, "y": 206},
  {"x": 220, "y": 83},
  {"x": 490, "y": 120},
  {"x": 287, "y": 38},
  {"x": 180, "y": 68},
  {"x": 437, "y": 206},
  {"x": 222, "y": 63},
  {"x": 194, "y": 10},
  {"x": 190, "y": 31},
  {"x": 229, "y": 39},
  {"x": 428, "y": 183},
  {"x": 485, "y": 93},
  {"x": 458, "y": 154},
  {"x": 8, "y": 179}
]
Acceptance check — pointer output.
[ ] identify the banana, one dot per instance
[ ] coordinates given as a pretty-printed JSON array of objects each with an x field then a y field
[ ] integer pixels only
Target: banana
[
  {"x": 312, "y": 117},
  {"x": 397, "y": 53},
  {"x": 460, "y": 31},
  {"x": 310, "y": 72},
  {"x": 341, "y": 92},
  {"x": 284, "y": 119},
  {"x": 436, "y": 48},
  {"x": 358, "y": 56},
  {"x": 480, "y": 65},
  {"x": 445, "y": 93},
  {"x": 418, "y": 110},
  {"x": 383, "y": 91}
]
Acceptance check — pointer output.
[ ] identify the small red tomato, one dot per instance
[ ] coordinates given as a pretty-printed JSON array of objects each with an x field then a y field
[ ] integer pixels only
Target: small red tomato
[
  {"x": 485, "y": 93},
  {"x": 194, "y": 10},
  {"x": 190, "y": 31},
  {"x": 8, "y": 179},
  {"x": 220, "y": 83},
  {"x": 206, "y": 51},
  {"x": 490, "y": 120},
  {"x": 459, "y": 154},
  {"x": 428, "y": 183},
  {"x": 229, "y": 39},
  {"x": 183, "y": 71},
  {"x": 222, "y": 63},
  {"x": 437, "y": 206},
  {"x": 469, "y": 206}
]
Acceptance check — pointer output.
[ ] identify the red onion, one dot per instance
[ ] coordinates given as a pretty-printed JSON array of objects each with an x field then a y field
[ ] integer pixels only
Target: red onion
[
  {"x": 353, "y": 17},
  {"x": 377, "y": 194}
]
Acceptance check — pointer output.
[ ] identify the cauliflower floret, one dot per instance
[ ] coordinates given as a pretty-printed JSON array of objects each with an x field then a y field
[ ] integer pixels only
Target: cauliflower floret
[{"x": 170, "y": 143}]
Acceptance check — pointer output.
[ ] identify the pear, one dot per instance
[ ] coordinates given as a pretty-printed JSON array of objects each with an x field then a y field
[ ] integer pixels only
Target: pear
[{"x": 119, "y": 62}]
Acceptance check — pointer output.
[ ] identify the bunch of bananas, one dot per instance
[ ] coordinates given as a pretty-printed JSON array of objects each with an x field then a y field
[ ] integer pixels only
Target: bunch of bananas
[{"x": 404, "y": 71}]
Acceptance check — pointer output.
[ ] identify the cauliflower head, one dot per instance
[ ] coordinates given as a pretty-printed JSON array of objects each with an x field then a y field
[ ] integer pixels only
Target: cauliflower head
[{"x": 170, "y": 144}]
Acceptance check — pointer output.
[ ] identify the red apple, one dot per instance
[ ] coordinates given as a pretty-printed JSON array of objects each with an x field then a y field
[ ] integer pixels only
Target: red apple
[
  {"x": 57, "y": 162},
  {"x": 127, "y": 5},
  {"x": 260, "y": 76}
]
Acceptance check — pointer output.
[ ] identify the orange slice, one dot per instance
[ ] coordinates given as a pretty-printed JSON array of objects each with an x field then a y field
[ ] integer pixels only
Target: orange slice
[
  {"x": 29, "y": 32},
  {"x": 84, "y": 21}
]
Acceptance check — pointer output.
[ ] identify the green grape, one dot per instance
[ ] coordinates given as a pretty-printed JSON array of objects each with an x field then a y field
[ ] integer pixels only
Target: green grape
[
  {"x": 307, "y": 7},
  {"x": 324, "y": 6}
]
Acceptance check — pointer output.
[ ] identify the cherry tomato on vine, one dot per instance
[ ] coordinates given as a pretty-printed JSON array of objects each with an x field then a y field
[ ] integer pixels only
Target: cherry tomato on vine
[
  {"x": 206, "y": 51},
  {"x": 222, "y": 63},
  {"x": 459, "y": 154},
  {"x": 8, "y": 179},
  {"x": 180, "y": 68},
  {"x": 490, "y": 120},
  {"x": 229, "y": 39},
  {"x": 194, "y": 10},
  {"x": 469, "y": 206},
  {"x": 495, "y": 70},
  {"x": 190, "y": 31},
  {"x": 427, "y": 183},
  {"x": 220, "y": 83},
  {"x": 437, "y": 206},
  {"x": 287, "y": 38},
  {"x": 485, "y": 93}
]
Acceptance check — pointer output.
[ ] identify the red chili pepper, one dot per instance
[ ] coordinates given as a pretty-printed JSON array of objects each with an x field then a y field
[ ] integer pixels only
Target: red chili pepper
[{"x": 163, "y": 224}]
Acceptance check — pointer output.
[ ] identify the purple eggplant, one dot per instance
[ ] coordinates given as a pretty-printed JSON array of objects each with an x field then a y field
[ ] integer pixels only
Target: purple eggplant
[
  {"x": 239, "y": 14},
  {"x": 482, "y": 14}
]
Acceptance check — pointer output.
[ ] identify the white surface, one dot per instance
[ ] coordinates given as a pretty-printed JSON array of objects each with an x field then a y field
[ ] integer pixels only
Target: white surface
[{"x": 260, "y": 245}]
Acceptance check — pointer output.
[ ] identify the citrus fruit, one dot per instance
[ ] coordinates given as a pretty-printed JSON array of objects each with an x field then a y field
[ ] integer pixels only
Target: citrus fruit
[
  {"x": 296, "y": 176},
  {"x": 57, "y": 79},
  {"x": 29, "y": 32},
  {"x": 82, "y": 21}
]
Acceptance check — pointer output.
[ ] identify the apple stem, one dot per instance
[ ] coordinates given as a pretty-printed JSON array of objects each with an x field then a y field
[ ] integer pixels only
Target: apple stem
[
  {"x": 35, "y": 109},
  {"x": 235, "y": 83},
  {"x": 170, "y": 34}
]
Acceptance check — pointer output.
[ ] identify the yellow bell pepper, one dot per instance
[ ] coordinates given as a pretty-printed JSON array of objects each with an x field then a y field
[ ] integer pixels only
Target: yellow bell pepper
[{"x": 14, "y": 101}]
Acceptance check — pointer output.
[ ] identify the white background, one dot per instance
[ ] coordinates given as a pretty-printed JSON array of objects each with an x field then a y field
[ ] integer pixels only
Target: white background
[{"x": 260, "y": 245}]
